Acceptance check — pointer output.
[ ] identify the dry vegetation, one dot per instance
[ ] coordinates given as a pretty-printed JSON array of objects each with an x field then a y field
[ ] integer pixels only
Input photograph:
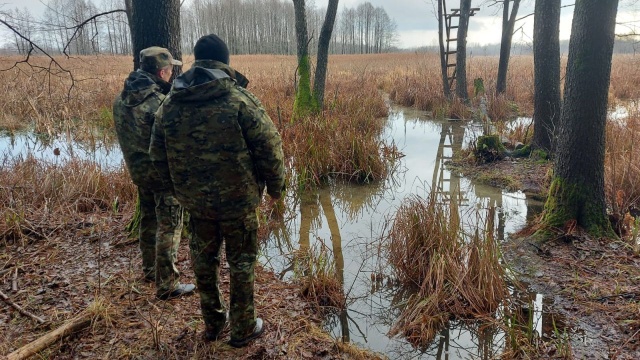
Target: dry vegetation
[
  {"x": 457, "y": 275},
  {"x": 63, "y": 239}
]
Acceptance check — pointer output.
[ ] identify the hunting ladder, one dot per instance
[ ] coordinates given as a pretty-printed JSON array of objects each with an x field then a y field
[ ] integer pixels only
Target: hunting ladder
[{"x": 452, "y": 42}]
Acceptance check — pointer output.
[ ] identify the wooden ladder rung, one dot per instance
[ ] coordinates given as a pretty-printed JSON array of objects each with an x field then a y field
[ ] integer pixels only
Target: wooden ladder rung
[
  {"x": 452, "y": 39},
  {"x": 450, "y": 52},
  {"x": 451, "y": 65}
]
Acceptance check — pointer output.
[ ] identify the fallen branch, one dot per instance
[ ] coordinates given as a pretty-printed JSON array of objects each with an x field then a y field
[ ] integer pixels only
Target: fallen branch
[
  {"x": 20, "y": 310},
  {"x": 2, "y": 272},
  {"x": 74, "y": 325}
]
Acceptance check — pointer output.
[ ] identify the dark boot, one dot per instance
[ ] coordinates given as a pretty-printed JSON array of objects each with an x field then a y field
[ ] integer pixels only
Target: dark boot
[{"x": 211, "y": 334}]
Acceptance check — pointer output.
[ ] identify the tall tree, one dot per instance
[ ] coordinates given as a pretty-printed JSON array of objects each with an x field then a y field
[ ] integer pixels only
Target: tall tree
[
  {"x": 461, "y": 50},
  {"x": 154, "y": 23},
  {"x": 306, "y": 101},
  {"x": 323, "y": 53},
  {"x": 303, "y": 102},
  {"x": 546, "y": 59},
  {"x": 508, "y": 24},
  {"x": 441, "y": 37},
  {"x": 577, "y": 189}
]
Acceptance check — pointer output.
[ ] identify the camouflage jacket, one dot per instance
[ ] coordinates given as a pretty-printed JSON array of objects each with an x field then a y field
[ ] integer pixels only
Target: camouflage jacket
[
  {"x": 134, "y": 114},
  {"x": 215, "y": 145}
]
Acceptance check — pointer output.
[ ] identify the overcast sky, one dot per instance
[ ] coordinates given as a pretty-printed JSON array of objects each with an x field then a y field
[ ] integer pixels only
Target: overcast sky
[{"x": 417, "y": 24}]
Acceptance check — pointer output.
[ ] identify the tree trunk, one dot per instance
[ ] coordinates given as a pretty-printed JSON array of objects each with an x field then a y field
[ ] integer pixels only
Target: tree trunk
[
  {"x": 155, "y": 23},
  {"x": 577, "y": 190},
  {"x": 443, "y": 63},
  {"x": 508, "y": 23},
  {"x": 323, "y": 53},
  {"x": 461, "y": 51},
  {"x": 304, "y": 102},
  {"x": 546, "y": 59}
]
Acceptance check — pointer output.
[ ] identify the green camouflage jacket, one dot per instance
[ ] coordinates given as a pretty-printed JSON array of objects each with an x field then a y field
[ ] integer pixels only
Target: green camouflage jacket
[
  {"x": 134, "y": 114},
  {"x": 215, "y": 145}
]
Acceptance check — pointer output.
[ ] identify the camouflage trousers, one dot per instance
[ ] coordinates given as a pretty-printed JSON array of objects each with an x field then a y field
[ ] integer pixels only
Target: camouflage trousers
[
  {"x": 160, "y": 230},
  {"x": 241, "y": 248}
]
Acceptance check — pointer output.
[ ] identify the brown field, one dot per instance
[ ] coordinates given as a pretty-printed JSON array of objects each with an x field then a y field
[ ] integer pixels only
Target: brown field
[{"x": 63, "y": 241}]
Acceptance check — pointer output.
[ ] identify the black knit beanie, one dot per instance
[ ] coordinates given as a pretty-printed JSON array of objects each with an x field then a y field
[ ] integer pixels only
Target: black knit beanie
[{"x": 211, "y": 47}]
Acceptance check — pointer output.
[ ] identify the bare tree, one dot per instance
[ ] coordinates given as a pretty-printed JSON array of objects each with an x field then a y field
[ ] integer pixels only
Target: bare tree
[
  {"x": 323, "y": 53},
  {"x": 546, "y": 59},
  {"x": 461, "y": 50},
  {"x": 576, "y": 196},
  {"x": 508, "y": 25}
]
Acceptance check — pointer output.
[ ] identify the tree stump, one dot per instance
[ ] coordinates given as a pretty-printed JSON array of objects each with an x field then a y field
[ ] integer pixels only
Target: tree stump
[{"x": 489, "y": 148}]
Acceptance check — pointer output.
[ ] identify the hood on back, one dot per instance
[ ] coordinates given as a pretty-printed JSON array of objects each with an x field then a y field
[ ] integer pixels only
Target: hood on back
[
  {"x": 140, "y": 85},
  {"x": 200, "y": 84}
]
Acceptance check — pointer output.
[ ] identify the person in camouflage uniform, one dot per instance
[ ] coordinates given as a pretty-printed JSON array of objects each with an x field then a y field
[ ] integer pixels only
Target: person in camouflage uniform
[
  {"x": 216, "y": 146},
  {"x": 160, "y": 214}
]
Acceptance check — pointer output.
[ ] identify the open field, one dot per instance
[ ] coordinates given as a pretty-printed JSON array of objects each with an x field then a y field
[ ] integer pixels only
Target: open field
[{"x": 63, "y": 244}]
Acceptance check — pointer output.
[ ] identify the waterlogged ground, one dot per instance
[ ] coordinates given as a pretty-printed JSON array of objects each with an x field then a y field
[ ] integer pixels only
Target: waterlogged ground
[{"x": 347, "y": 223}]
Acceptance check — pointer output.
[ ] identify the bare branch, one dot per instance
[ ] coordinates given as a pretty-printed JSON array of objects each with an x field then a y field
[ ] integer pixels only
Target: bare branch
[
  {"x": 531, "y": 14},
  {"x": 33, "y": 46},
  {"x": 80, "y": 26}
]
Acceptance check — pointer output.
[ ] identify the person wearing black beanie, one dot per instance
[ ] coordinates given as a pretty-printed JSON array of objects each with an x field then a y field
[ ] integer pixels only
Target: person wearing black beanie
[
  {"x": 211, "y": 47},
  {"x": 215, "y": 146}
]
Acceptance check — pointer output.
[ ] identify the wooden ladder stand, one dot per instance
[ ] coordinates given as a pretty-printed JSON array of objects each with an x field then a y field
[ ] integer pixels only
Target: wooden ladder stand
[{"x": 455, "y": 13}]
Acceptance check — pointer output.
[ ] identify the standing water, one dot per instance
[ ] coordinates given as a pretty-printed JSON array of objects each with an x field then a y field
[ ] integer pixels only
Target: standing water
[{"x": 348, "y": 221}]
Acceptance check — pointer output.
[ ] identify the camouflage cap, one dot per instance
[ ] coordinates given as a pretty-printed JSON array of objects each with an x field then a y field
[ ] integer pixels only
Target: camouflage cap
[{"x": 155, "y": 58}]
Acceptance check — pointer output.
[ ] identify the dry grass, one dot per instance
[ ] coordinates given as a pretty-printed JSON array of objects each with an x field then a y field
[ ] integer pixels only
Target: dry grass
[
  {"x": 456, "y": 275},
  {"x": 39, "y": 198},
  {"x": 317, "y": 276},
  {"x": 622, "y": 172}
]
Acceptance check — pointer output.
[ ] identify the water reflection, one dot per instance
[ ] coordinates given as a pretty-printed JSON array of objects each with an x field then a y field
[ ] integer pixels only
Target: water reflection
[
  {"x": 350, "y": 219},
  {"x": 59, "y": 149}
]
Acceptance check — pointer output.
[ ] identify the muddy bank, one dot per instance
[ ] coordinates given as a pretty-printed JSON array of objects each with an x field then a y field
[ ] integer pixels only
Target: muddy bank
[
  {"x": 594, "y": 284},
  {"x": 62, "y": 272}
]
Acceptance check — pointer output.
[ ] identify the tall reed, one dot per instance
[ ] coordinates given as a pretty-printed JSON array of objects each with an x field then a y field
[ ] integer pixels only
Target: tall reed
[{"x": 455, "y": 274}]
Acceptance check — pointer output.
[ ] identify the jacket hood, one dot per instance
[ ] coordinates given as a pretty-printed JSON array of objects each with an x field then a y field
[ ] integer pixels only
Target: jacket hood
[
  {"x": 140, "y": 85},
  {"x": 207, "y": 79}
]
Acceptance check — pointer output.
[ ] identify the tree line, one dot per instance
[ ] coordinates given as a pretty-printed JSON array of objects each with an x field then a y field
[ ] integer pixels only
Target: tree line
[{"x": 248, "y": 27}]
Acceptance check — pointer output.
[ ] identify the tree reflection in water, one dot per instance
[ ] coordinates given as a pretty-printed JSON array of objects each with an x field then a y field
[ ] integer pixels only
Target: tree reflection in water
[{"x": 346, "y": 220}]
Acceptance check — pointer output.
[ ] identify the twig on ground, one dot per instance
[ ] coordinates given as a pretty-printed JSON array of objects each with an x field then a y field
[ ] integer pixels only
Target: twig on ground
[
  {"x": 14, "y": 281},
  {"x": 2, "y": 272},
  {"x": 20, "y": 309}
]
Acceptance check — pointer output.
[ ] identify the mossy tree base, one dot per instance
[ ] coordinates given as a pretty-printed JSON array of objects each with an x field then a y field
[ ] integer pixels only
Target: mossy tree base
[
  {"x": 489, "y": 148},
  {"x": 569, "y": 205}
]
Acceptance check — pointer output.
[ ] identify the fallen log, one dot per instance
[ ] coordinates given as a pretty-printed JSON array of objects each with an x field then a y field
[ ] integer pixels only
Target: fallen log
[
  {"x": 74, "y": 325},
  {"x": 20, "y": 309}
]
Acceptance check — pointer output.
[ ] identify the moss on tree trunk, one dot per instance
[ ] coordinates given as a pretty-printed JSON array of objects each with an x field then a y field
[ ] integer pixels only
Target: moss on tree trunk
[
  {"x": 304, "y": 102},
  {"x": 567, "y": 202}
]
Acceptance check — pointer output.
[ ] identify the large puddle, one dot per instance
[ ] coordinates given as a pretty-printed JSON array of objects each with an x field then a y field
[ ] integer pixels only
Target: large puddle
[{"x": 347, "y": 221}]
